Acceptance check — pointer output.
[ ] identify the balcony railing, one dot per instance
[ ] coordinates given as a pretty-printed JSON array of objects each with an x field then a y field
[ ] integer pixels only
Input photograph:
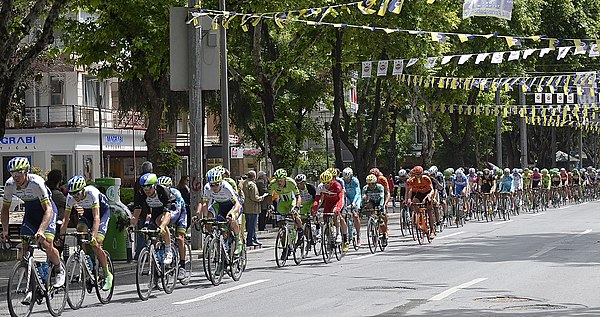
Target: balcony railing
[{"x": 78, "y": 116}]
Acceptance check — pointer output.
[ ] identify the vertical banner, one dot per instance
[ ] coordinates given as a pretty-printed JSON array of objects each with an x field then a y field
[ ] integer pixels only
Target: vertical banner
[
  {"x": 548, "y": 98},
  {"x": 538, "y": 97},
  {"x": 382, "y": 68},
  {"x": 366, "y": 69},
  {"x": 398, "y": 67},
  {"x": 560, "y": 98}
]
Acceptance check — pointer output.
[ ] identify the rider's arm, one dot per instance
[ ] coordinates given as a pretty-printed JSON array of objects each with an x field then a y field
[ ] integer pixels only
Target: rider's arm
[
  {"x": 66, "y": 214},
  {"x": 96, "y": 225},
  {"x": 340, "y": 201},
  {"x": 5, "y": 219}
]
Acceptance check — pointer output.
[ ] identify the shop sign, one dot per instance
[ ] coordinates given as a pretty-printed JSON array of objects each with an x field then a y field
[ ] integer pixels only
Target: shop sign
[
  {"x": 27, "y": 142},
  {"x": 116, "y": 139}
]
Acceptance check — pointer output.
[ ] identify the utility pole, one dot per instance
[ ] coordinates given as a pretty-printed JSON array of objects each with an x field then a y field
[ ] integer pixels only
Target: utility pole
[
  {"x": 580, "y": 146},
  {"x": 196, "y": 121},
  {"x": 224, "y": 94},
  {"x": 498, "y": 133},
  {"x": 99, "y": 105},
  {"x": 523, "y": 131}
]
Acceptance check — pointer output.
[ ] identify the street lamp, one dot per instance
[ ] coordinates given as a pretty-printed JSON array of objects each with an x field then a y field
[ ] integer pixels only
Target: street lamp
[{"x": 326, "y": 126}]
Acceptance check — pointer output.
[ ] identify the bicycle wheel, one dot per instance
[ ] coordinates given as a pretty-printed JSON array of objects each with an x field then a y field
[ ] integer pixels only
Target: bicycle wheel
[
  {"x": 188, "y": 264},
  {"x": 281, "y": 248},
  {"x": 417, "y": 229},
  {"x": 298, "y": 246},
  {"x": 104, "y": 296},
  {"x": 207, "y": 240},
  {"x": 169, "y": 278},
  {"x": 337, "y": 250},
  {"x": 326, "y": 244},
  {"x": 238, "y": 263},
  {"x": 317, "y": 246},
  {"x": 18, "y": 288},
  {"x": 76, "y": 280},
  {"x": 144, "y": 274},
  {"x": 372, "y": 235},
  {"x": 216, "y": 261},
  {"x": 56, "y": 297},
  {"x": 402, "y": 221},
  {"x": 308, "y": 238}
]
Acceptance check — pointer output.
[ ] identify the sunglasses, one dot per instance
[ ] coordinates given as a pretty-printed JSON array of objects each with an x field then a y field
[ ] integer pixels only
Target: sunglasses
[
  {"x": 17, "y": 173},
  {"x": 77, "y": 193},
  {"x": 147, "y": 186},
  {"x": 214, "y": 184}
]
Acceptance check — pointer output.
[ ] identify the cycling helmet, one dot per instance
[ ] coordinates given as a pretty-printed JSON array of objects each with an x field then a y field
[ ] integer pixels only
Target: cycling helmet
[
  {"x": 520, "y": 171},
  {"x": 459, "y": 172},
  {"x": 148, "y": 179},
  {"x": 536, "y": 170},
  {"x": 215, "y": 176},
  {"x": 375, "y": 171},
  {"x": 515, "y": 170},
  {"x": 582, "y": 171},
  {"x": 575, "y": 170},
  {"x": 472, "y": 171},
  {"x": 371, "y": 179},
  {"x": 448, "y": 171},
  {"x": 76, "y": 183},
  {"x": 165, "y": 181},
  {"x": 544, "y": 171},
  {"x": 526, "y": 170},
  {"x": 417, "y": 170},
  {"x": 18, "y": 164},
  {"x": 433, "y": 169},
  {"x": 402, "y": 173},
  {"x": 347, "y": 173},
  {"x": 499, "y": 171},
  {"x": 479, "y": 174},
  {"x": 563, "y": 169},
  {"x": 507, "y": 170},
  {"x": 280, "y": 174},
  {"x": 300, "y": 178},
  {"x": 486, "y": 171},
  {"x": 326, "y": 177},
  {"x": 440, "y": 175}
]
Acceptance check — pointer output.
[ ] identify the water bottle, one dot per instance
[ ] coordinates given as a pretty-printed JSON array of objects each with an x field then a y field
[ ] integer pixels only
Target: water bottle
[
  {"x": 89, "y": 262},
  {"x": 43, "y": 270}
]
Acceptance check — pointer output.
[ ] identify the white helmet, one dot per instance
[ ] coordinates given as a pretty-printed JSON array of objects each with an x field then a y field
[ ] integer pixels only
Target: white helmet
[
  {"x": 433, "y": 169},
  {"x": 402, "y": 173},
  {"x": 347, "y": 173},
  {"x": 472, "y": 171}
]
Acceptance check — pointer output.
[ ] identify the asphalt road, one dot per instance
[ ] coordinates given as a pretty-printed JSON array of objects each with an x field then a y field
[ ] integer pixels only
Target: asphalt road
[{"x": 542, "y": 264}]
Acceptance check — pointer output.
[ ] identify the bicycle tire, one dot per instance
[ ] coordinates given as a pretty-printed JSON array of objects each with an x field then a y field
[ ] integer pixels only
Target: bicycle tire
[
  {"x": 144, "y": 274},
  {"x": 76, "y": 281},
  {"x": 318, "y": 241},
  {"x": 238, "y": 264},
  {"x": 372, "y": 235},
  {"x": 16, "y": 292},
  {"x": 402, "y": 221},
  {"x": 207, "y": 240},
  {"x": 308, "y": 239},
  {"x": 104, "y": 296},
  {"x": 170, "y": 271},
  {"x": 216, "y": 261},
  {"x": 326, "y": 244},
  {"x": 337, "y": 250},
  {"x": 56, "y": 297},
  {"x": 417, "y": 228},
  {"x": 281, "y": 250},
  {"x": 188, "y": 264},
  {"x": 298, "y": 247}
]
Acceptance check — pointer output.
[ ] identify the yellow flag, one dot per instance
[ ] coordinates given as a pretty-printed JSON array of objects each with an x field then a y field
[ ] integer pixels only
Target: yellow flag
[
  {"x": 430, "y": 1},
  {"x": 366, "y": 9},
  {"x": 383, "y": 7}
]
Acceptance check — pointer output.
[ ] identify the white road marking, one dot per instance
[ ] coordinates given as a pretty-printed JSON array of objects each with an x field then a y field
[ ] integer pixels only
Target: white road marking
[
  {"x": 223, "y": 291},
  {"x": 366, "y": 256},
  {"x": 550, "y": 248},
  {"x": 455, "y": 289},
  {"x": 502, "y": 222},
  {"x": 538, "y": 214},
  {"x": 450, "y": 235},
  {"x": 584, "y": 232}
]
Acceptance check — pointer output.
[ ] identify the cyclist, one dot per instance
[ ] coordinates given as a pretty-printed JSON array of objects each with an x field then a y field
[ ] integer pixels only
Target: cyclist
[
  {"x": 307, "y": 194},
  {"x": 353, "y": 198},
  {"x": 373, "y": 197},
  {"x": 461, "y": 190},
  {"x": 383, "y": 181},
  {"x": 576, "y": 183},
  {"x": 288, "y": 200},
  {"x": 505, "y": 185},
  {"x": 472, "y": 180},
  {"x": 96, "y": 215},
  {"x": 437, "y": 187},
  {"x": 179, "y": 221},
  {"x": 546, "y": 180},
  {"x": 517, "y": 186},
  {"x": 403, "y": 177},
  {"x": 554, "y": 182},
  {"x": 330, "y": 192},
  {"x": 441, "y": 191},
  {"x": 564, "y": 177},
  {"x": 487, "y": 184},
  {"x": 158, "y": 203},
  {"x": 536, "y": 178},
  {"x": 420, "y": 189},
  {"x": 40, "y": 213}
]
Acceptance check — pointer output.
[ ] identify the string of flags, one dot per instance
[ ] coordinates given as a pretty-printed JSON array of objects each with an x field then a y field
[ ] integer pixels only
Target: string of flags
[
  {"x": 583, "y": 83},
  {"x": 496, "y": 58}
]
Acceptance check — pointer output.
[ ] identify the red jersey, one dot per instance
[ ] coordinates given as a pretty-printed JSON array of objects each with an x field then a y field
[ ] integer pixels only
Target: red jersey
[{"x": 333, "y": 197}]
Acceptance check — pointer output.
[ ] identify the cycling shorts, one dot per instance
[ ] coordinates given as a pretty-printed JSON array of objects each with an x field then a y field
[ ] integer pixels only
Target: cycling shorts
[
  {"x": 419, "y": 196},
  {"x": 486, "y": 188},
  {"x": 29, "y": 229},
  {"x": 87, "y": 220},
  {"x": 179, "y": 220}
]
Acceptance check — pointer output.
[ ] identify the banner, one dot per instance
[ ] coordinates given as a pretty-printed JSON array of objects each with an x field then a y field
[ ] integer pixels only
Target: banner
[{"x": 491, "y": 8}]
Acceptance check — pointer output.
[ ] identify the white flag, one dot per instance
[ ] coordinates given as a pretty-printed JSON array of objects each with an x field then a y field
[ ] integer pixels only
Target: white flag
[
  {"x": 544, "y": 51},
  {"x": 481, "y": 57},
  {"x": 366, "y": 69},
  {"x": 497, "y": 57},
  {"x": 382, "y": 68},
  {"x": 560, "y": 98},
  {"x": 538, "y": 97},
  {"x": 594, "y": 50},
  {"x": 412, "y": 61},
  {"x": 446, "y": 59},
  {"x": 562, "y": 52},
  {"x": 398, "y": 67},
  {"x": 464, "y": 58},
  {"x": 431, "y": 62},
  {"x": 514, "y": 55},
  {"x": 548, "y": 97},
  {"x": 571, "y": 98},
  {"x": 528, "y": 53}
]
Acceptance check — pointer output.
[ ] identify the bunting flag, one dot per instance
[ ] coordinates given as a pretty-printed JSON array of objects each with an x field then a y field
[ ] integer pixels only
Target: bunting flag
[{"x": 395, "y": 6}]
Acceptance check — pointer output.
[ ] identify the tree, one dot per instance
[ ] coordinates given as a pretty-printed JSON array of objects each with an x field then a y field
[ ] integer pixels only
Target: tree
[
  {"x": 26, "y": 30},
  {"x": 129, "y": 40}
]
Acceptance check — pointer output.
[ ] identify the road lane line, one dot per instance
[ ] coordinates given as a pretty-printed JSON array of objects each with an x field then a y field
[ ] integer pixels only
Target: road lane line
[
  {"x": 550, "y": 248},
  {"x": 223, "y": 291},
  {"x": 455, "y": 289},
  {"x": 584, "y": 232},
  {"x": 503, "y": 222},
  {"x": 450, "y": 235},
  {"x": 538, "y": 214},
  {"x": 366, "y": 256}
]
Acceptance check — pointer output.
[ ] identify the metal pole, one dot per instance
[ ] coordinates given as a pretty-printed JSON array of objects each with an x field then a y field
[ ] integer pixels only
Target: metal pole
[
  {"x": 580, "y": 146},
  {"x": 99, "y": 105},
  {"x": 523, "y": 131},
  {"x": 498, "y": 133},
  {"x": 196, "y": 123},
  {"x": 224, "y": 94},
  {"x": 327, "y": 142},
  {"x": 553, "y": 146}
]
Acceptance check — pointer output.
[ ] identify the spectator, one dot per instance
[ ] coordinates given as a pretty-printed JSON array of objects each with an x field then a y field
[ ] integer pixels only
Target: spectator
[
  {"x": 263, "y": 184},
  {"x": 252, "y": 207},
  {"x": 137, "y": 200},
  {"x": 391, "y": 182},
  {"x": 184, "y": 188},
  {"x": 54, "y": 182}
]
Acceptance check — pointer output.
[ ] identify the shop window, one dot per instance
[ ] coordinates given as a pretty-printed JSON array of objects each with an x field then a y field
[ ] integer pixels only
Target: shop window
[
  {"x": 61, "y": 163},
  {"x": 57, "y": 87}
]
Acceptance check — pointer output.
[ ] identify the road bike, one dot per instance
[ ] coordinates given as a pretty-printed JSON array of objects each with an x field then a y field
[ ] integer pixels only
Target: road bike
[
  {"x": 221, "y": 253},
  {"x": 329, "y": 243},
  {"x": 421, "y": 222},
  {"x": 312, "y": 235},
  {"x": 352, "y": 234},
  {"x": 376, "y": 233},
  {"x": 288, "y": 242}
]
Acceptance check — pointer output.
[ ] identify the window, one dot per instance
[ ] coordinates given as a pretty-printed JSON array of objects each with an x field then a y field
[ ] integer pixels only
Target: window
[
  {"x": 56, "y": 90},
  {"x": 89, "y": 94}
]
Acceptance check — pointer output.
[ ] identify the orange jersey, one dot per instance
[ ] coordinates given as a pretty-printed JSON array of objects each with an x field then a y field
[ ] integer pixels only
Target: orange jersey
[{"x": 422, "y": 185}]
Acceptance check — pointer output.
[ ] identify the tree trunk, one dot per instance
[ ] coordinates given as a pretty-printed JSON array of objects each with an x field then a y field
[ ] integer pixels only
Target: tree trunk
[
  {"x": 338, "y": 96},
  {"x": 157, "y": 107}
]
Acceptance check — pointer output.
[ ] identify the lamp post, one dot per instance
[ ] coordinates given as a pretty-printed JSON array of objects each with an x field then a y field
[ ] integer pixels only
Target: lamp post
[{"x": 326, "y": 126}]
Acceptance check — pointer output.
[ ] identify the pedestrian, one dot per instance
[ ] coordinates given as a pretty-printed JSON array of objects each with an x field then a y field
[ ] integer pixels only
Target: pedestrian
[
  {"x": 184, "y": 188},
  {"x": 54, "y": 182},
  {"x": 252, "y": 207},
  {"x": 263, "y": 188},
  {"x": 139, "y": 195},
  {"x": 391, "y": 182}
]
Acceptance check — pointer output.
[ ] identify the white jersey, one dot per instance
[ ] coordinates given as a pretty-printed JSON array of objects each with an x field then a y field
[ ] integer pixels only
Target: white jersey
[
  {"x": 517, "y": 181},
  {"x": 35, "y": 195},
  {"x": 92, "y": 198},
  {"x": 225, "y": 194}
]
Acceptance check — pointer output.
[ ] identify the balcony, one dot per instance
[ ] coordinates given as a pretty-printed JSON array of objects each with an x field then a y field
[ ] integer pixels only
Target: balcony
[{"x": 77, "y": 116}]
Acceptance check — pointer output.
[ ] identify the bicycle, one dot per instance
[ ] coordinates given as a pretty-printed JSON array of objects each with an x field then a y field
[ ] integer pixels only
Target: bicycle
[
  {"x": 288, "y": 243},
  {"x": 207, "y": 236},
  {"x": 488, "y": 207},
  {"x": 188, "y": 257},
  {"x": 32, "y": 277},
  {"x": 151, "y": 265},
  {"x": 375, "y": 229},
  {"x": 421, "y": 223},
  {"x": 352, "y": 234},
  {"x": 458, "y": 206},
  {"x": 312, "y": 236},
  {"x": 504, "y": 205},
  {"x": 329, "y": 244},
  {"x": 221, "y": 253},
  {"x": 85, "y": 273}
]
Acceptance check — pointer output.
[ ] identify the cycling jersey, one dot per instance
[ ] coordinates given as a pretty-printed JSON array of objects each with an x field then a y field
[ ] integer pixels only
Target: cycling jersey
[
  {"x": 221, "y": 202},
  {"x": 286, "y": 195},
  {"x": 179, "y": 216},
  {"x": 35, "y": 195},
  {"x": 92, "y": 198},
  {"x": 383, "y": 182},
  {"x": 536, "y": 179},
  {"x": 353, "y": 192},
  {"x": 564, "y": 177},
  {"x": 526, "y": 180},
  {"x": 487, "y": 182},
  {"x": 546, "y": 181},
  {"x": 374, "y": 196},
  {"x": 506, "y": 184},
  {"x": 460, "y": 182},
  {"x": 308, "y": 197},
  {"x": 576, "y": 179},
  {"x": 159, "y": 203},
  {"x": 472, "y": 181},
  {"x": 555, "y": 180},
  {"x": 333, "y": 197},
  {"x": 402, "y": 186},
  {"x": 517, "y": 181},
  {"x": 422, "y": 185}
]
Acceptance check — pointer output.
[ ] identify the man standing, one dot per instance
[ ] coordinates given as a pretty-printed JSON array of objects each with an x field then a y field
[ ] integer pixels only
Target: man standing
[
  {"x": 252, "y": 207},
  {"x": 262, "y": 183}
]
